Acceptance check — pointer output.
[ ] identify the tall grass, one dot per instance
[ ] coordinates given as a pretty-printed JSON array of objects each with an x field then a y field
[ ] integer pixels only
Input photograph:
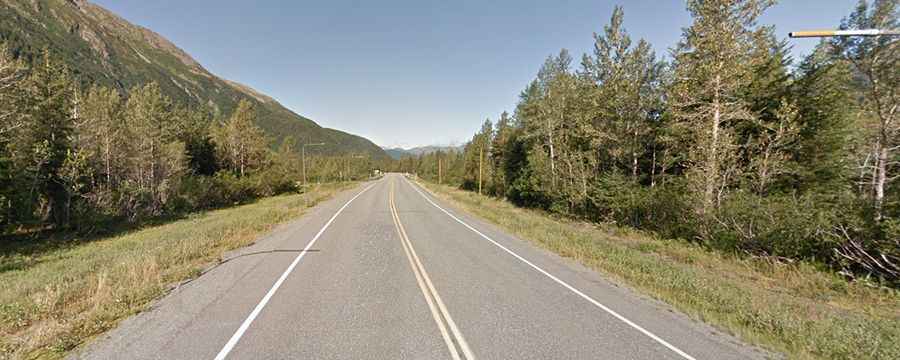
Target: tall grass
[
  {"x": 54, "y": 299},
  {"x": 796, "y": 309}
]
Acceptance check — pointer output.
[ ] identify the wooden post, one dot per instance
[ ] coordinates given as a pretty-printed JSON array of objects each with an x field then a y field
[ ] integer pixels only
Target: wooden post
[
  {"x": 480, "y": 166},
  {"x": 303, "y": 158}
]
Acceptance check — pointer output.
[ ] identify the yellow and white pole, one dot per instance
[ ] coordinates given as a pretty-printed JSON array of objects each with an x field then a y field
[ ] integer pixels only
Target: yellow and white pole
[{"x": 833, "y": 33}]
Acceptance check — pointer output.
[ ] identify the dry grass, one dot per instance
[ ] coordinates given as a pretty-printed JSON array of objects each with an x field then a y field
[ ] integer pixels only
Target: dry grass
[
  {"x": 795, "y": 309},
  {"x": 55, "y": 299}
]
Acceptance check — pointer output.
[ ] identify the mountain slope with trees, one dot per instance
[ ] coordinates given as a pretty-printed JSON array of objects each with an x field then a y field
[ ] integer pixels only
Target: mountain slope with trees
[
  {"x": 104, "y": 49},
  {"x": 103, "y": 123}
]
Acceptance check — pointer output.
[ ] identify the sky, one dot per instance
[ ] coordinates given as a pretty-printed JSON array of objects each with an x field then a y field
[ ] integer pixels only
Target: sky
[{"x": 416, "y": 72}]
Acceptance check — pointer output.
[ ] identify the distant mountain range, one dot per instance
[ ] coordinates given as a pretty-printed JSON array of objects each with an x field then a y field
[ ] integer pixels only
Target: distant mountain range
[
  {"x": 101, "y": 47},
  {"x": 399, "y": 153}
]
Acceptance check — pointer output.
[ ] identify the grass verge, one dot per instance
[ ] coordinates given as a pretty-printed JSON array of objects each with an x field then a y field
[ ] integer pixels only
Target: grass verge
[
  {"x": 54, "y": 300},
  {"x": 795, "y": 309}
]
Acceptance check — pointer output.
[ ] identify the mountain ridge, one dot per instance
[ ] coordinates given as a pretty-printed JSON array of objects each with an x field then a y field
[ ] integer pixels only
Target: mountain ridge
[
  {"x": 104, "y": 48},
  {"x": 398, "y": 153}
]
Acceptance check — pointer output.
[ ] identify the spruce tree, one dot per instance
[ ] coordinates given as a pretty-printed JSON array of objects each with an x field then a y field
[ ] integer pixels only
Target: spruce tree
[
  {"x": 41, "y": 145},
  {"x": 626, "y": 98},
  {"x": 196, "y": 134},
  {"x": 825, "y": 102}
]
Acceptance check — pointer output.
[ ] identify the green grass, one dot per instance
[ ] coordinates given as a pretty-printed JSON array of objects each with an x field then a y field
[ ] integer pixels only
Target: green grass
[
  {"x": 54, "y": 298},
  {"x": 795, "y": 309}
]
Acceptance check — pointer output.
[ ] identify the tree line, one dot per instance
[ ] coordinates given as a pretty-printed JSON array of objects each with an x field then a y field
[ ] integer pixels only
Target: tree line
[
  {"x": 76, "y": 156},
  {"x": 728, "y": 143}
]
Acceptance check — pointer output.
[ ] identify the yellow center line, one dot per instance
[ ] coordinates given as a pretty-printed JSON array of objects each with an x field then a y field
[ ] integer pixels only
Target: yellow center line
[{"x": 439, "y": 312}]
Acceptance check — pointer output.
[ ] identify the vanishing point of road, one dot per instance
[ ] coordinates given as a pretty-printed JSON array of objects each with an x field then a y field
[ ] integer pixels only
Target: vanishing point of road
[{"x": 388, "y": 271}]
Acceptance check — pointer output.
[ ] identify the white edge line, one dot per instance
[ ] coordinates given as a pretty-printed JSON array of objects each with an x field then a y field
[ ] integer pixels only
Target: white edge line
[
  {"x": 265, "y": 300},
  {"x": 558, "y": 281}
]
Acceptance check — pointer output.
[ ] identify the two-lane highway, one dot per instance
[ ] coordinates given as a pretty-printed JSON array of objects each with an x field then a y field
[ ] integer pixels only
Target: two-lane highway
[{"x": 387, "y": 271}]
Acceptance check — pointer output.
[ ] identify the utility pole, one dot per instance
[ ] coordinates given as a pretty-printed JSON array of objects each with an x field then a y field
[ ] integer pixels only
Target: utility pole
[
  {"x": 349, "y": 159},
  {"x": 480, "y": 166},
  {"x": 303, "y": 158}
]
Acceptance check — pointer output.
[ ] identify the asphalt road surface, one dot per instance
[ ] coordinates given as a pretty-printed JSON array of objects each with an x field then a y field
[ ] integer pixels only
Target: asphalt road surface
[{"x": 387, "y": 271}]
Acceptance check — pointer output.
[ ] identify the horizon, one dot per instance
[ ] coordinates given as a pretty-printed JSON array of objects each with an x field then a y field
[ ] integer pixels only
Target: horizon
[{"x": 316, "y": 76}]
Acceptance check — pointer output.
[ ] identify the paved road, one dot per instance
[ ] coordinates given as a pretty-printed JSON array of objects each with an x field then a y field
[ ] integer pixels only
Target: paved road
[{"x": 386, "y": 271}]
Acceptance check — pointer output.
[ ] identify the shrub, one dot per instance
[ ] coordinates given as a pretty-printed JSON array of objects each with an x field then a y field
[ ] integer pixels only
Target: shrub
[
  {"x": 274, "y": 181},
  {"x": 779, "y": 225},
  {"x": 663, "y": 208},
  {"x": 224, "y": 189}
]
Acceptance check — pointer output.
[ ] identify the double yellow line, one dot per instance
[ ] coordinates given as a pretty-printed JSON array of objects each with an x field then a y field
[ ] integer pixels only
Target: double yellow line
[{"x": 453, "y": 338}]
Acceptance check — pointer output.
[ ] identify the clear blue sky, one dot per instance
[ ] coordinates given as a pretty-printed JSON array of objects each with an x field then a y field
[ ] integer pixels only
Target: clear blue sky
[{"x": 414, "y": 72}]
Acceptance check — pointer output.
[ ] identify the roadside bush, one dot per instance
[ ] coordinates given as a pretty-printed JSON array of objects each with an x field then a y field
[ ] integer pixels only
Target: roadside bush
[
  {"x": 826, "y": 229},
  {"x": 133, "y": 202},
  {"x": 234, "y": 189},
  {"x": 663, "y": 208},
  {"x": 617, "y": 199},
  {"x": 794, "y": 227},
  {"x": 525, "y": 191},
  {"x": 225, "y": 189},
  {"x": 274, "y": 181},
  {"x": 671, "y": 214},
  {"x": 200, "y": 192}
]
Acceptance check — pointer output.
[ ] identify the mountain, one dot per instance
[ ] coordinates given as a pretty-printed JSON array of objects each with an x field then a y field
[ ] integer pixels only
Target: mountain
[
  {"x": 399, "y": 153},
  {"x": 396, "y": 153},
  {"x": 101, "y": 47}
]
